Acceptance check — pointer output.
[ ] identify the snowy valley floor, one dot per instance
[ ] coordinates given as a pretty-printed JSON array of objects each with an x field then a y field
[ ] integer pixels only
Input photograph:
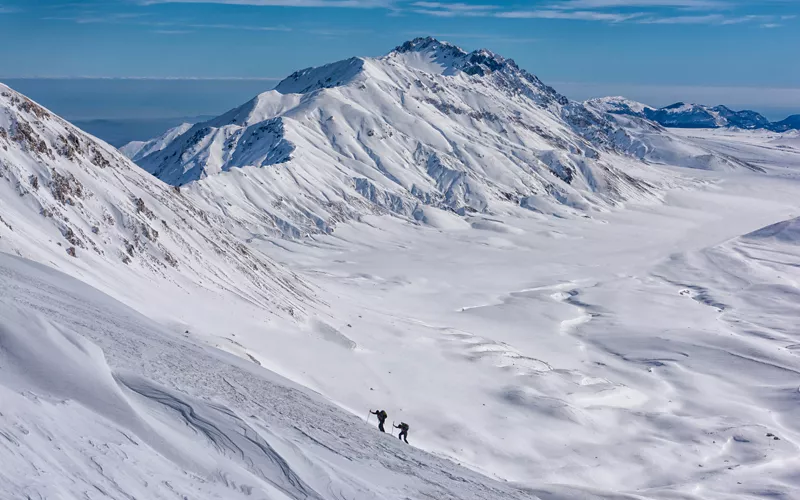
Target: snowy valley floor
[{"x": 650, "y": 352}]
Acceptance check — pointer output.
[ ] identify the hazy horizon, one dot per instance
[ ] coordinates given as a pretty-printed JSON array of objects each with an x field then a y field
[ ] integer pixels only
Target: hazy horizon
[{"x": 119, "y": 110}]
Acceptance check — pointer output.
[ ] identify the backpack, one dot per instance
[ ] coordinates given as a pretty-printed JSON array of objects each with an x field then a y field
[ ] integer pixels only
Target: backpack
[
  {"x": 382, "y": 415},
  {"x": 404, "y": 426}
]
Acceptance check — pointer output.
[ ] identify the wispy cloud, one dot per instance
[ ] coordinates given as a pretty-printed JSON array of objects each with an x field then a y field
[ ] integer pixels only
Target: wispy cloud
[
  {"x": 582, "y": 15},
  {"x": 93, "y": 18},
  {"x": 164, "y": 27},
  {"x": 604, "y": 4},
  {"x": 173, "y": 32},
  {"x": 703, "y": 19},
  {"x": 147, "y": 78},
  {"x": 771, "y": 25},
  {"x": 285, "y": 3},
  {"x": 656, "y": 12},
  {"x": 236, "y": 27},
  {"x": 666, "y": 12},
  {"x": 337, "y": 32},
  {"x": 441, "y": 9}
]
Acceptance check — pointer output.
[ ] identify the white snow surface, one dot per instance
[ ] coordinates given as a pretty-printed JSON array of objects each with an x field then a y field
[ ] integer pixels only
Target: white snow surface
[
  {"x": 74, "y": 202},
  {"x": 644, "y": 351},
  {"x": 428, "y": 125},
  {"x": 136, "y": 150},
  {"x": 100, "y": 402},
  {"x": 618, "y": 104}
]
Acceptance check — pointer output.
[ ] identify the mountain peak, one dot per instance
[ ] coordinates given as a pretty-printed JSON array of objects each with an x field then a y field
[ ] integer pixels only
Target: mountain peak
[
  {"x": 428, "y": 44},
  {"x": 436, "y": 56}
]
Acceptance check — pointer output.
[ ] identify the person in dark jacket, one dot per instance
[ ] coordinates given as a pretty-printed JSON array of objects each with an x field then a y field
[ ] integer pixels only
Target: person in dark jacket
[
  {"x": 403, "y": 431},
  {"x": 382, "y": 416}
]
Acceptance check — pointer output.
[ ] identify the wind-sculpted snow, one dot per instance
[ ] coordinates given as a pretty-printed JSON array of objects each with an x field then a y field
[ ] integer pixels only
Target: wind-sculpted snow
[
  {"x": 785, "y": 232},
  {"x": 99, "y": 401}
]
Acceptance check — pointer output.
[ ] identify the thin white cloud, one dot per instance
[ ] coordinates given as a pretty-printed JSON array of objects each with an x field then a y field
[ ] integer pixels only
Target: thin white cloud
[
  {"x": 581, "y": 15},
  {"x": 604, "y": 4},
  {"x": 173, "y": 32},
  {"x": 717, "y": 19},
  {"x": 284, "y": 3},
  {"x": 164, "y": 27},
  {"x": 460, "y": 9},
  {"x": 771, "y": 25},
  {"x": 702, "y": 19},
  {"x": 236, "y": 27},
  {"x": 457, "y": 7},
  {"x": 747, "y": 19},
  {"x": 168, "y": 78},
  {"x": 93, "y": 18},
  {"x": 336, "y": 32}
]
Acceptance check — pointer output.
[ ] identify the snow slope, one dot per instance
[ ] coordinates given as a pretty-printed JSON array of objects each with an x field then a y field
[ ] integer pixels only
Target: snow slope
[
  {"x": 426, "y": 126},
  {"x": 639, "y": 353},
  {"x": 75, "y": 203},
  {"x": 583, "y": 358},
  {"x": 583, "y": 352},
  {"x": 137, "y": 150},
  {"x": 100, "y": 402}
]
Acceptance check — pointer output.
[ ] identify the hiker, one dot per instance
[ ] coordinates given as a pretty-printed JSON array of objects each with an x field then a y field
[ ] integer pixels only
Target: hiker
[
  {"x": 382, "y": 416},
  {"x": 403, "y": 431}
]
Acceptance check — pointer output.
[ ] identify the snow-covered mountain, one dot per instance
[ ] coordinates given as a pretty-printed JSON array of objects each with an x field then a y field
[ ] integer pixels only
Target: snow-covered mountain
[
  {"x": 790, "y": 123},
  {"x": 640, "y": 353},
  {"x": 660, "y": 145},
  {"x": 683, "y": 115},
  {"x": 137, "y": 150},
  {"x": 427, "y": 126},
  {"x": 72, "y": 201},
  {"x": 698, "y": 116}
]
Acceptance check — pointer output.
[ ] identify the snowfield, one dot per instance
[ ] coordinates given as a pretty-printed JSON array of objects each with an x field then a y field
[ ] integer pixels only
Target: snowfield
[
  {"x": 100, "y": 402},
  {"x": 623, "y": 347}
]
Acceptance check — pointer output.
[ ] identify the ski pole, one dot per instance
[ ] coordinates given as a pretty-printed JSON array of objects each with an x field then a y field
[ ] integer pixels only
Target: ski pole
[{"x": 369, "y": 415}]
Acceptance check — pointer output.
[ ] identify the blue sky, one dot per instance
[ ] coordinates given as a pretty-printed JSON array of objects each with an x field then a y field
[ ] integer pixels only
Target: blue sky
[{"x": 736, "y": 46}]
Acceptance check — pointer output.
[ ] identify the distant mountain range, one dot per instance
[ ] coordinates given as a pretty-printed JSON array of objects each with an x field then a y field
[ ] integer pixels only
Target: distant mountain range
[{"x": 682, "y": 115}]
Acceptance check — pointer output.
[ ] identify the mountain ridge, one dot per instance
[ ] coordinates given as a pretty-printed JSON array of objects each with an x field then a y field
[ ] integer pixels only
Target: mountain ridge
[
  {"x": 684, "y": 115},
  {"x": 72, "y": 201},
  {"x": 427, "y": 126}
]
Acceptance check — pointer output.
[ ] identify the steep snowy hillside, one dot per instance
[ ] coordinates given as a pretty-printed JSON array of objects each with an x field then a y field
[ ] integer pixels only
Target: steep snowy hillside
[
  {"x": 427, "y": 126},
  {"x": 101, "y": 402},
  {"x": 74, "y": 202}
]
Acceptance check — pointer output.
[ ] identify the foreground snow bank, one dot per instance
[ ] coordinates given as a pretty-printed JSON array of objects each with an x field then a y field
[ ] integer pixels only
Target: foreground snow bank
[{"x": 99, "y": 402}]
